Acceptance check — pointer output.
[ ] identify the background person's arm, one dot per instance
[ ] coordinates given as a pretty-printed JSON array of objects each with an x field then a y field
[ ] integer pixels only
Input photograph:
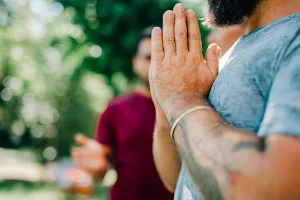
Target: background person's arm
[
  {"x": 95, "y": 155},
  {"x": 92, "y": 156}
]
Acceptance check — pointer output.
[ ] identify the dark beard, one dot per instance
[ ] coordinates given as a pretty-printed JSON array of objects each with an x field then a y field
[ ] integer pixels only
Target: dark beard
[{"x": 230, "y": 12}]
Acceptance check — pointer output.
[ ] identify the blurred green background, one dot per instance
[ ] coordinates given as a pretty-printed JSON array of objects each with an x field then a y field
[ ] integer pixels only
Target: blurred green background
[{"x": 60, "y": 63}]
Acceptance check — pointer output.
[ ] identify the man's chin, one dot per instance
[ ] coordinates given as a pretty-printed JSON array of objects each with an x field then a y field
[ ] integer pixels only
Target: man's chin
[
  {"x": 230, "y": 12},
  {"x": 214, "y": 21}
]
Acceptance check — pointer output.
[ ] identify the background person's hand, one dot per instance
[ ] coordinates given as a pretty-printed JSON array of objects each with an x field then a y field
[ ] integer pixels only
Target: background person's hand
[
  {"x": 179, "y": 71},
  {"x": 90, "y": 156},
  {"x": 80, "y": 181}
]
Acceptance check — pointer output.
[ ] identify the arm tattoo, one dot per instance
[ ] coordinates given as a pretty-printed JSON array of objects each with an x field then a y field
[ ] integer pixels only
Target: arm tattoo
[
  {"x": 258, "y": 146},
  {"x": 210, "y": 148},
  {"x": 204, "y": 177}
]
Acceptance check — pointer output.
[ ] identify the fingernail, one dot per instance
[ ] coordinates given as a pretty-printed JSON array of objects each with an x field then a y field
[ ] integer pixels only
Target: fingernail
[
  {"x": 179, "y": 7},
  {"x": 190, "y": 13},
  {"x": 216, "y": 51},
  {"x": 156, "y": 31},
  {"x": 169, "y": 14}
]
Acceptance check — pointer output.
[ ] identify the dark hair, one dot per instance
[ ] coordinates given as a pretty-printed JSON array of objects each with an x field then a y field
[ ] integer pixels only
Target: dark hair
[
  {"x": 224, "y": 13},
  {"x": 145, "y": 34}
]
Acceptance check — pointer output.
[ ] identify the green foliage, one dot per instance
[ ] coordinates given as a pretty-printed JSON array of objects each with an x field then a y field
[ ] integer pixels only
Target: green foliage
[
  {"x": 62, "y": 61},
  {"x": 115, "y": 25},
  {"x": 41, "y": 79}
]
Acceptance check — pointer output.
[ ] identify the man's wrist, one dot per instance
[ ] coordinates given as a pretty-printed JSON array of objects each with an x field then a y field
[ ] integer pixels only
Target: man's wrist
[
  {"x": 162, "y": 123},
  {"x": 178, "y": 104}
]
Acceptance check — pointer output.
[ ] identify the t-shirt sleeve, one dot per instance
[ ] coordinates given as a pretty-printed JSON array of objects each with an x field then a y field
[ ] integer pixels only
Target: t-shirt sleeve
[
  {"x": 282, "y": 115},
  {"x": 106, "y": 128}
]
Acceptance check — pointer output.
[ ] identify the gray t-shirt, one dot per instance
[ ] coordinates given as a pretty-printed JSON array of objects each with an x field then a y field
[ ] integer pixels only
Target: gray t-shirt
[{"x": 258, "y": 87}]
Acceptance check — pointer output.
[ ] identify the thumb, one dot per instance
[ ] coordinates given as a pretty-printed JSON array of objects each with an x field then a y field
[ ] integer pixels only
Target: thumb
[
  {"x": 213, "y": 55},
  {"x": 81, "y": 139}
]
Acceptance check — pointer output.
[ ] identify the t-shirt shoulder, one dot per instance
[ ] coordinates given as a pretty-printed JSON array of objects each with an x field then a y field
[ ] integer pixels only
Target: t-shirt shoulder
[{"x": 294, "y": 42}]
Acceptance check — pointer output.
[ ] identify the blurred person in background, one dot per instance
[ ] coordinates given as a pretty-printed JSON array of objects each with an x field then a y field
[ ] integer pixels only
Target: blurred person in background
[{"x": 124, "y": 139}]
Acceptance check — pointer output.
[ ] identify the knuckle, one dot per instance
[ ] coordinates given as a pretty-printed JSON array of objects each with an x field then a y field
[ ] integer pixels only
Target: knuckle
[
  {"x": 158, "y": 50},
  {"x": 158, "y": 54},
  {"x": 171, "y": 40},
  {"x": 215, "y": 62},
  {"x": 180, "y": 60},
  {"x": 180, "y": 15},
  {"x": 182, "y": 34},
  {"x": 194, "y": 36},
  {"x": 196, "y": 58}
]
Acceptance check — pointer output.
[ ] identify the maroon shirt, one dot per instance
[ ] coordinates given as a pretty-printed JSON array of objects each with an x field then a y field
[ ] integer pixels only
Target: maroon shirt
[{"x": 127, "y": 125}]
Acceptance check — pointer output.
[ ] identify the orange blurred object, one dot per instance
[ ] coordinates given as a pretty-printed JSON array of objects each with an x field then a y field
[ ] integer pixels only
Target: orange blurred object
[{"x": 81, "y": 181}]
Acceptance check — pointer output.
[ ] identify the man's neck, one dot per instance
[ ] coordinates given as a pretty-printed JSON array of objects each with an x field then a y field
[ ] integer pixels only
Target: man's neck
[{"x": 272, "y": 10}]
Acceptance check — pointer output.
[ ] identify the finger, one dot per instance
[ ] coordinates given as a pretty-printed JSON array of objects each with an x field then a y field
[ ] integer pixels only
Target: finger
[
  {"x": 194, "y": 36},
  {"x": 78, "y": 153},
  {"x": 213, "y": 54},
  {"x": 168, "y": 33},
  {"x": 157, "y": 50},
  {"x": 81, "y": 139},
  {"x": 180, "y": 30}
]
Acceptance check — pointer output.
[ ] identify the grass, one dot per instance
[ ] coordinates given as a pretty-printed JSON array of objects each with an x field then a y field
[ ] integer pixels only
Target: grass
[{"x": 16, "y": 190}]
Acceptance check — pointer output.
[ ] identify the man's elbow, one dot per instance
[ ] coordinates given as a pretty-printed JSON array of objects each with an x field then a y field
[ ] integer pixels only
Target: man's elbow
[
  {"x": 284, "y": 183},
  {"x": 275, "y": 175},
  {"x": 282, "y": 167},
  {"x": 268, "y": 186}
]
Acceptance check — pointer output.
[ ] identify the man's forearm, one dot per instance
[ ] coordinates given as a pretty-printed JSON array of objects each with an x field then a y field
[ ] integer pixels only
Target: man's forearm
[
  {"x": 166, "y": 156},
  {"x": 224, "y": 162}
]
